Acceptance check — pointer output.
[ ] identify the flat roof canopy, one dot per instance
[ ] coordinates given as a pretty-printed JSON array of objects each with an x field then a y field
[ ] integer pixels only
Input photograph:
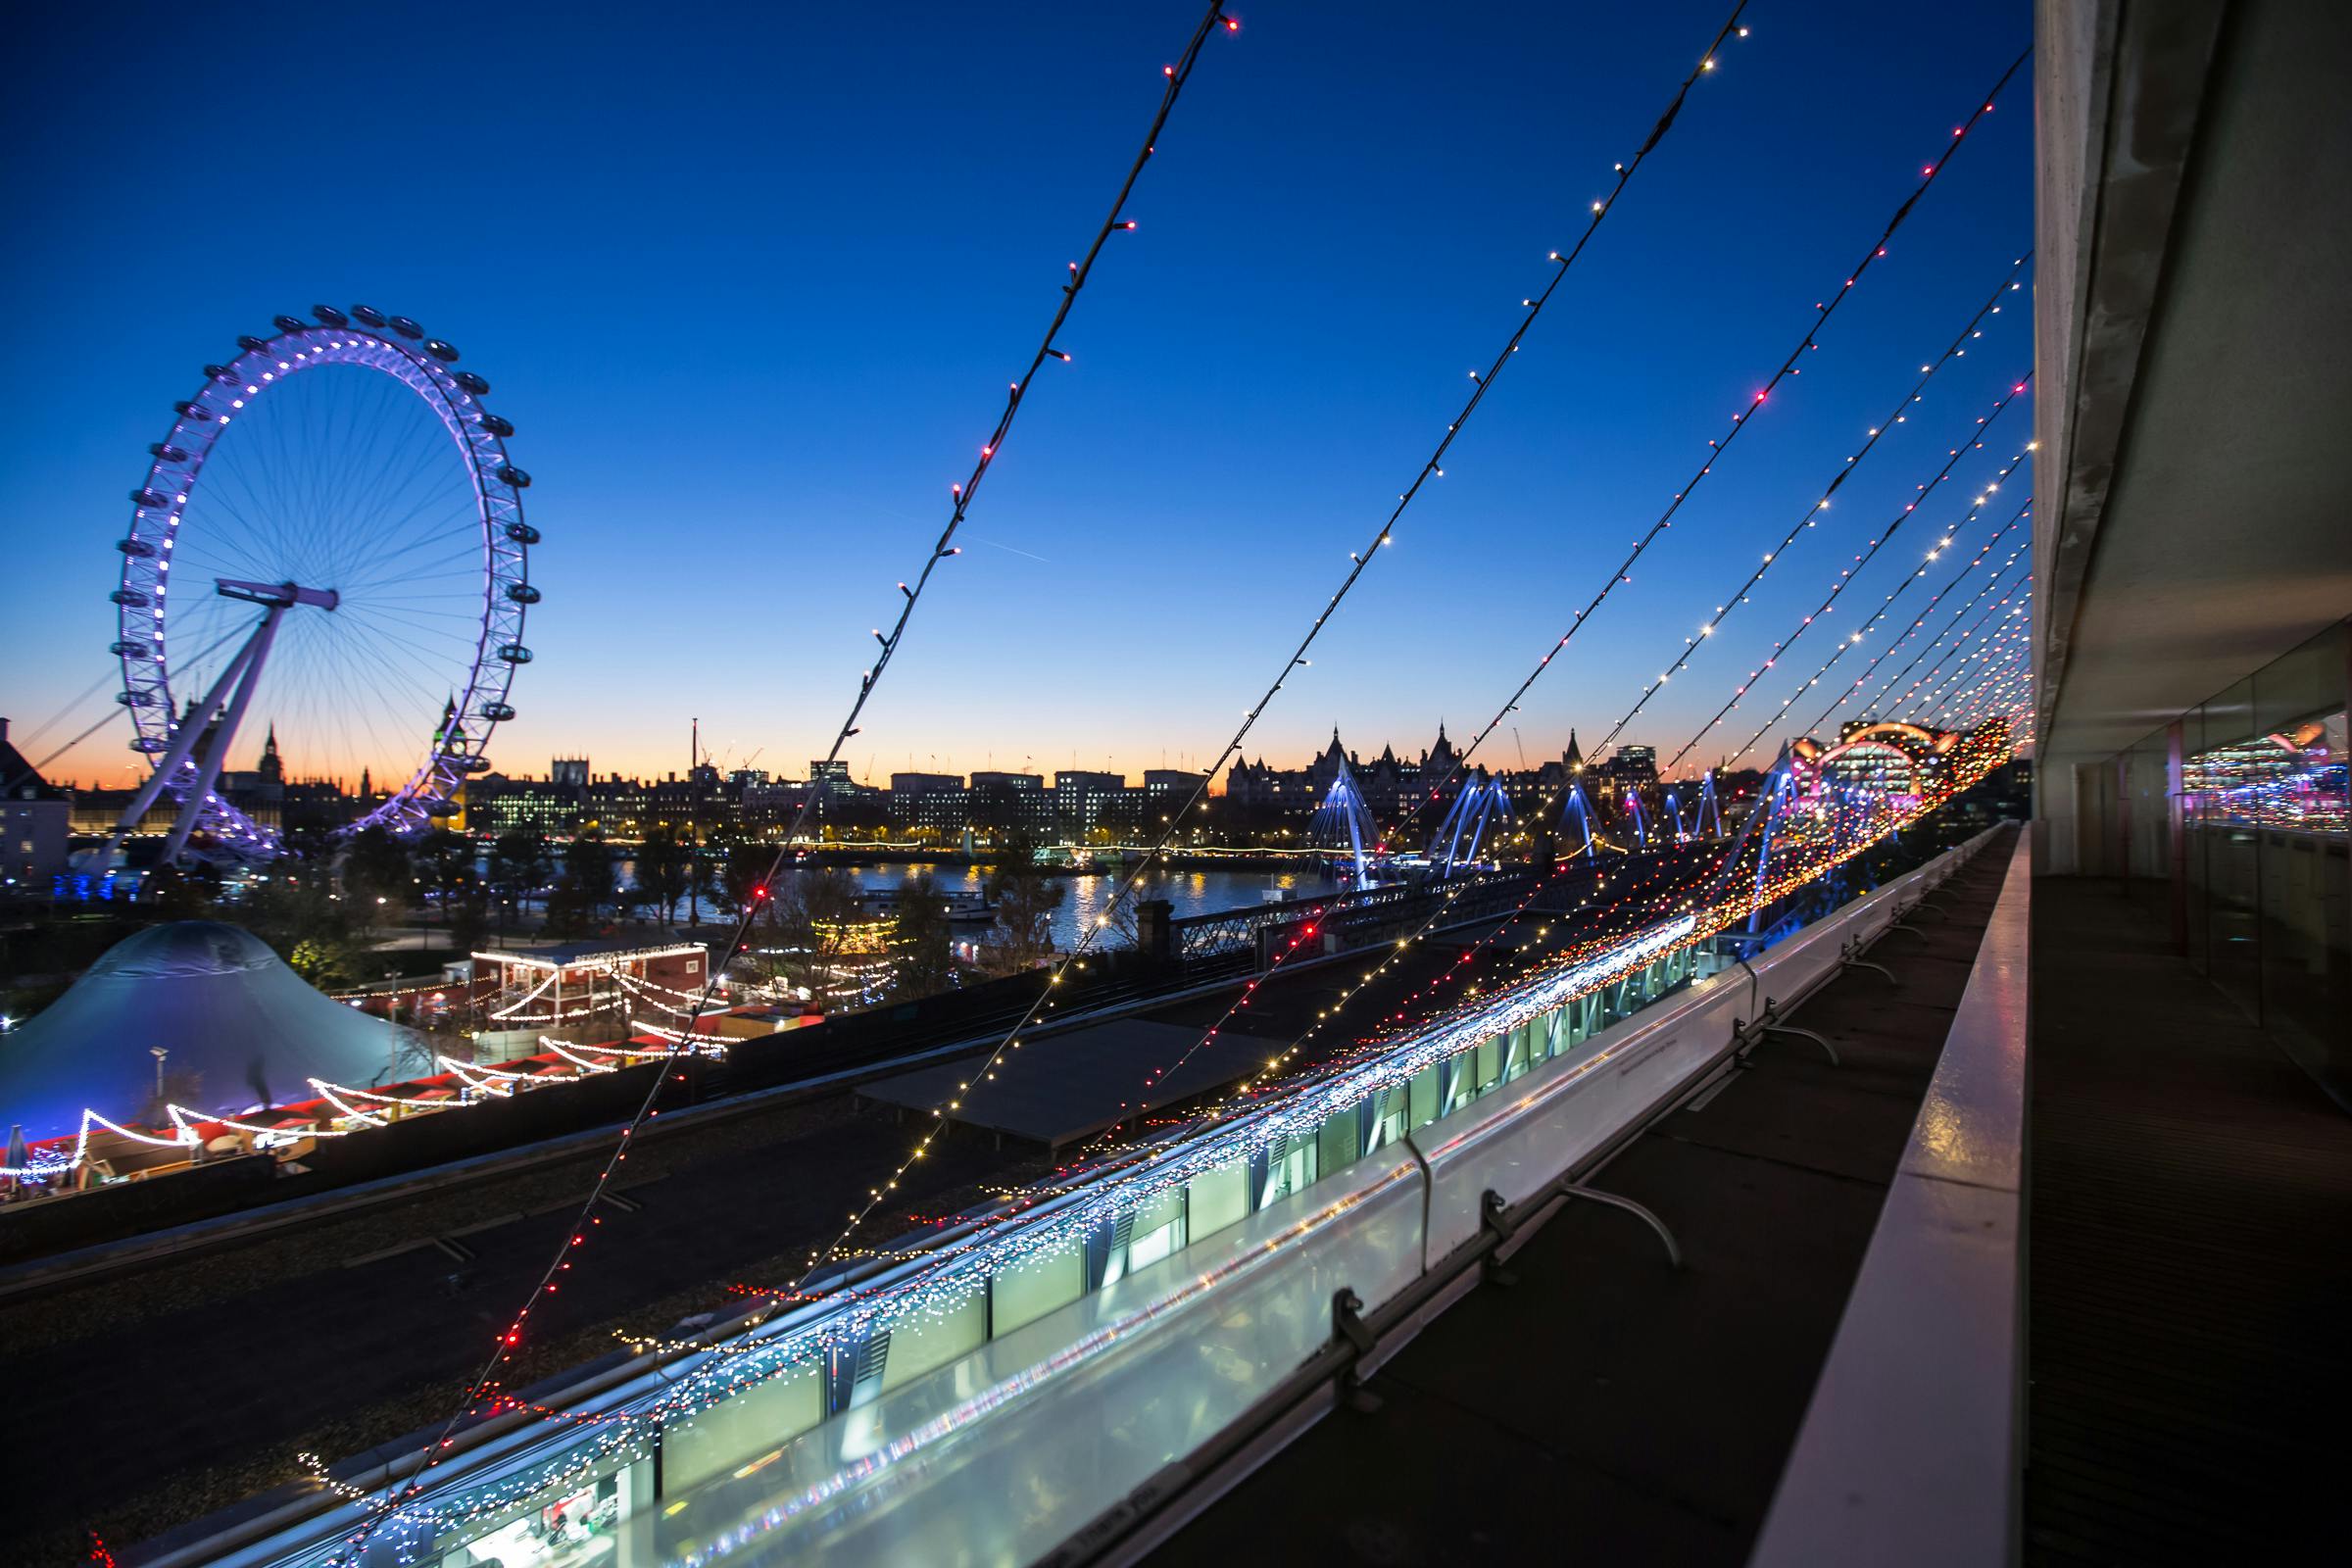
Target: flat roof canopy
[
  {"x": 591, "y": 953},
  {"x": 1061, "y": 1087}
]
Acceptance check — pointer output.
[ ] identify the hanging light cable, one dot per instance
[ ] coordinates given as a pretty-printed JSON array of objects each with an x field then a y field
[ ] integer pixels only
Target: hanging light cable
[{"x": 486, "y": 1382}]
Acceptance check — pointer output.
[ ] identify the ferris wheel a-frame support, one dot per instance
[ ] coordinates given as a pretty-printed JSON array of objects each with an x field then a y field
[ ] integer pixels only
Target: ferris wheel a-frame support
[{"x": 244, "y": 672}]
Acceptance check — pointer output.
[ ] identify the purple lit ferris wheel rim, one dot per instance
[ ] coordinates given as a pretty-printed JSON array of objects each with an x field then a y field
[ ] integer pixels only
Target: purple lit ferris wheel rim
[{"x": 397, "y": 348}]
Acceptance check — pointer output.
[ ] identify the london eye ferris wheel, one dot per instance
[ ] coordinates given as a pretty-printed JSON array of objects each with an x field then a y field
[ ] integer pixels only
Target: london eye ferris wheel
[{"x": 330, "y": 538}]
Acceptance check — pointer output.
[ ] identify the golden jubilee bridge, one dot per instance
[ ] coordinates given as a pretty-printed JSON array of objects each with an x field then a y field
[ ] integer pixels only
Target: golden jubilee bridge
[{"x": 1014, "y": 1387}]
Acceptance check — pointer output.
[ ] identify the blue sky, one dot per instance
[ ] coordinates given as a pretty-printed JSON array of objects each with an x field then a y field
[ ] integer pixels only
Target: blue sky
[{"x": 750, "y": 282}]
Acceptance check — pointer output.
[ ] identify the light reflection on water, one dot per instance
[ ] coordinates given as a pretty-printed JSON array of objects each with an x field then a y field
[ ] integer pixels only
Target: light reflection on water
[{"x": 1189, "y": 892}]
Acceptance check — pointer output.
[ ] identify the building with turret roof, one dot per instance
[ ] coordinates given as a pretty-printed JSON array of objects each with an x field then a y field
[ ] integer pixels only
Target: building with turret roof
[{"x": 34, "y": 819}]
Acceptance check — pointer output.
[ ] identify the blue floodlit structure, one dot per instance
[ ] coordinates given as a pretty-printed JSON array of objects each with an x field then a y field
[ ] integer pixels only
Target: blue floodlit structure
[
  {"x": 1707, "y": 810},
  {"x": 1579, "y": 808},
  {"x": 1481, "y": 804},
  {"x": 1343, "y": 822}
]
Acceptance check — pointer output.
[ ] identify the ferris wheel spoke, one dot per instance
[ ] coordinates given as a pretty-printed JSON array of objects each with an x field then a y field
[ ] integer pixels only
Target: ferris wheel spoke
[
  {"x": 271, "y": 542},
  {"x": 417, "y": 570},
  {"x": 438, "y": 608},
  {"x": 370, "y": 677},
  {"x": 463, "y": 524},
  {"x": 427, "y": 703},
  {"x": 424, "y": 614},
  {"x": 381, "y": 499},
  {"x": 384, "y": 522},
  {"x": 356, "y": 498},
  {"x": 414, "y": 632},
  {"x": 243, "y": 535}
]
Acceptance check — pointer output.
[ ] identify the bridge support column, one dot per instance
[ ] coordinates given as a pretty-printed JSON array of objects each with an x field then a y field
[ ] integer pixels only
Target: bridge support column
[{"x": 1153, "y": 936}]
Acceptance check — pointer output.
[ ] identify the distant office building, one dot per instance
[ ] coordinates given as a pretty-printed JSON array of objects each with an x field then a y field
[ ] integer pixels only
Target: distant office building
[
  {"x": 1167, "y": 791},
  {"x": 927, "y": 803},
  {"x": 1006, "y": 802},
  {"x": 503, "y": 805},
  {"x": 1630, "y": 767},
  {"x": 1086, "y": 800}
]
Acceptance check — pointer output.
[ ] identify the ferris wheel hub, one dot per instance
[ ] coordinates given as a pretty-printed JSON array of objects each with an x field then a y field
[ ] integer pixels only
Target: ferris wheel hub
[{"x": 276, "y": 595}]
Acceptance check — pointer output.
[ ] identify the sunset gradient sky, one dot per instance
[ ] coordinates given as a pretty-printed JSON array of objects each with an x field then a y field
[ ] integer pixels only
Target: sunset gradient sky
[{"x": 751, "y": 281}]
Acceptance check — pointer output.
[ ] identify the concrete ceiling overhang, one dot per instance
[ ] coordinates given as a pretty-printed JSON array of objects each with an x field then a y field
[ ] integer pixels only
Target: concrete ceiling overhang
[{"x": 2198, "y": 305}]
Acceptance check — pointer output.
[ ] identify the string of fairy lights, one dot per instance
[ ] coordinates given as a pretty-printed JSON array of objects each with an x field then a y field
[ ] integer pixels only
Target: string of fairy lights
[
  {"x": 2022, "y": 519},
  {"x": 1984, "y": 684},
  {"x": 486, "y": 1382},
  {"x": 1587, "y": 965},
  {"x": 1881, "y": 702},
  {"x": 1359, "y": 562},
  {"x": 1450, "y": 975},
  {"x": 1846, "y": 644},
  {"x": 1790, "y": 365},
  {"x": 1971, "y": 442},
  {"x": 1997, "y": 685},
  {"x": 1811, "y": 518},
  {"x": 1631, "y": 914},
  {"x": 1973, "y": 661},
  {"x": 1807, "y": 344},
  {"x": 2001, "y": 688},
  {"x": 1949, "y": 676}
]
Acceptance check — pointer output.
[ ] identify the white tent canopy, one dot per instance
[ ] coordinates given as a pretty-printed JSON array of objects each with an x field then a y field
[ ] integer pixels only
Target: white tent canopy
[{"x": 237, "y": 1027}]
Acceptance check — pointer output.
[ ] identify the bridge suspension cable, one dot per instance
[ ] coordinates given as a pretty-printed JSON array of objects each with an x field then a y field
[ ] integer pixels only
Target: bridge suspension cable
[{"x": 486, "y": 1382}]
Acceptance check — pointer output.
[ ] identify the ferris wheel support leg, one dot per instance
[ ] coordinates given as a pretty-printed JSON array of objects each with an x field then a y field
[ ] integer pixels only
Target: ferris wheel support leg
[
  {"x": 183, "y": 743},
  {"x": 207, "y": 772}
]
